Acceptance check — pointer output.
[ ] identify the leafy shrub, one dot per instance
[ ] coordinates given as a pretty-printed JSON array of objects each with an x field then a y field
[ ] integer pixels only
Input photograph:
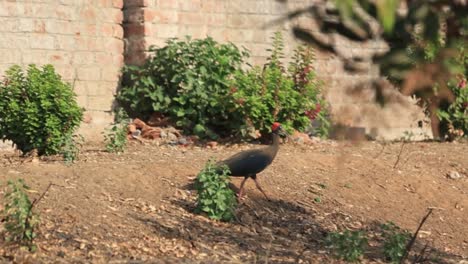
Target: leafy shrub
[
  {"x": 290, "y": 96},
  {"x": 116, "y": 137},
  {"x": 455, "y": 115},
  {"x": 214, "y": 196},
  {"x": 187, "y": 81},
  {"x": 395, "y": 241},
  {"x": 17, "y": 216},
  {"x": 38, "y": 110},
  {"x": 348, "y": 245},
  {"x": 201, "y": 86},
  {"x": 71, "y": 147}
]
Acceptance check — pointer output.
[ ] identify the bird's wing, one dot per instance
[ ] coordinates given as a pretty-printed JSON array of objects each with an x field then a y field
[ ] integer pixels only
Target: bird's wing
[{"x": 248, "y": 162}]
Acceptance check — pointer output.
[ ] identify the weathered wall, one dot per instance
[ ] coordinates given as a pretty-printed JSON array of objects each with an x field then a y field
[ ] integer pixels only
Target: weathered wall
[
  {"x": 251, "y": 23},
  {"x": 83, "y": 39}
]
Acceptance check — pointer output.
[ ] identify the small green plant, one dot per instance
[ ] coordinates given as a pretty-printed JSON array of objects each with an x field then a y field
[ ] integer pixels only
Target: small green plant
[
  {"x": 215, "y": 198},
  {"x": 395, "y": 242},
  {"x": 38, "y": 110},
  {"x": 347, "y": 245},
  {"x": 116, "y": 137},
  {"x": 71, "y": 148},
  {"x": 18, "y": 217}
]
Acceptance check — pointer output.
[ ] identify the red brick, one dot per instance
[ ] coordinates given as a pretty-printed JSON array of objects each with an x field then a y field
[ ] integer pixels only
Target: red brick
[
  {"x": 82, "y": 100},
  {"x": 88, "y": 14},
  {"x": 190, "y": 5},
  {"x": 118, "y": 59},
  {"x": 114, "y": 46},
  {"x": 169, "y": 4},
  {"x": 191, "y": 18},
  {"x": 117, "y": 31},
  {"x": 59, "y": 57},
  {"x": 107, "y": 30},
  {"x": 84, "y": 58},
  {"x": 161, "y": 16},
  {"x": 65, "y": 12},
  {"x": 57, "y": 26},
  {"x": 216, "y": 19},
  {"x": 32, "y": 56},
  {"x": 10, "y": 56},
  {"x": 89, "y": 73},
  {"x": 40, "y": 41},
  {"x": 110, "y": 73},
  {"x": 100, "y": 103},
  {"x": 104, "y": 58},
  {"x": 118, "y": 4}
]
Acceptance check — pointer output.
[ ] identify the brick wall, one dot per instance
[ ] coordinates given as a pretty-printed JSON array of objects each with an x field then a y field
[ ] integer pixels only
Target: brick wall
[
  {"x": 85, "y": 39},
  {"x": 82, "y": 39},
  {"x": 250, "y": 23}
]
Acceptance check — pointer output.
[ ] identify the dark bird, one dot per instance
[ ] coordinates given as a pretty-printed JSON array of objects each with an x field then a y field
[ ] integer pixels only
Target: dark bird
[{"x": 249, "y": 163}]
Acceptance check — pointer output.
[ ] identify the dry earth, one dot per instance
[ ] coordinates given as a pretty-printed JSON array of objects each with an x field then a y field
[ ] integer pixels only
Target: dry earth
[{"x": 138, "y": 206}]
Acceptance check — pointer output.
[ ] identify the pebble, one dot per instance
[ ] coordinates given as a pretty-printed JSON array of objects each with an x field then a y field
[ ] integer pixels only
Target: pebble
[{"x": 454, "y": 175}]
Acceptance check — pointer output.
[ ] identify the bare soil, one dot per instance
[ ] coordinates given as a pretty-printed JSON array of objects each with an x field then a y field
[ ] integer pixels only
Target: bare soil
[{"x": 138, "y": 206}]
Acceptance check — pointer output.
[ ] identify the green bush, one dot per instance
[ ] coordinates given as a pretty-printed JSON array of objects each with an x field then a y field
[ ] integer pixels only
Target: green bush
[
  {"x": 202, "y": 87},
  {"x": 395, "y": 241},
  {"x": 215, "y": 198},
  {"x": 347, "y": 245},
  {"x": 290, "y": 96},
  {"x": 187, "y": 81},
  {"x": 38, "y": 110},
  {"x": 116, "y": 137},
  {"x": 17, "y": 216}
]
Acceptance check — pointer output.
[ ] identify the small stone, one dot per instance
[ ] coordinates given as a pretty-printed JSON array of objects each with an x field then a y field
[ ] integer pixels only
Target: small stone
[
  {"x": 183, "y": 141},
  {"x": 454, "y": 175},
  {"x": 171, "y": 137},
  {"x": 212, "y": 144}
]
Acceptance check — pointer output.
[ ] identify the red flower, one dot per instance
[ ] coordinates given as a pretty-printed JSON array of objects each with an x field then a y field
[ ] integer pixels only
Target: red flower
[
  {"x": 312, "y": 114},
  {"x": 462, "y": 83}
]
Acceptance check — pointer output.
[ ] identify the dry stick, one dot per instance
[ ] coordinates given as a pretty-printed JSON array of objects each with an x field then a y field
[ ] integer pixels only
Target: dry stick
[
  {"x": 413, "y": 239},
  {"x": 399, "y": 154},
  {"x": 420, "y": 258},
  {"x": 36, "y": 201}
]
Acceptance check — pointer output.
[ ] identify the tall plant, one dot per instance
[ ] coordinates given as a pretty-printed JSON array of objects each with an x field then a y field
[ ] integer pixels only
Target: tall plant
[{"x": 291, "y": 96}]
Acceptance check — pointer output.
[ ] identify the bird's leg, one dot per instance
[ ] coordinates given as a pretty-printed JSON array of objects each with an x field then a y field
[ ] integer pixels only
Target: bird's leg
[
  {"x": 241, "y": 189},
  {"x": 260, "y": 188}
]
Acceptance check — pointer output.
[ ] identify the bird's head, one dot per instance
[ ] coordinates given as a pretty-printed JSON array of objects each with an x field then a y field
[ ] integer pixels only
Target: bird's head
[{"x": 276, "y": 128}]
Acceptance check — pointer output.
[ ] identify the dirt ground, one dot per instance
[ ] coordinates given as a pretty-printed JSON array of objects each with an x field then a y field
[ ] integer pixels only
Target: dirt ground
[{"x": 137, "y": 207}]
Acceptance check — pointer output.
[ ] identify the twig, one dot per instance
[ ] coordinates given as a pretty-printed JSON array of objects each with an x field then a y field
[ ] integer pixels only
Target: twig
[
  {"x": 28, "y": 216},
  {"x": 410, "y": 244},
  {"x": 420, "y": 258},
  {"x": 399, "y": 154},
  {"x": 40, "y": 197}
]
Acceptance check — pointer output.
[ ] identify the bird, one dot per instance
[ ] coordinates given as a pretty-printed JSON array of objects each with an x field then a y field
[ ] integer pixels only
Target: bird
[{"x": 249, "y": 163}]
